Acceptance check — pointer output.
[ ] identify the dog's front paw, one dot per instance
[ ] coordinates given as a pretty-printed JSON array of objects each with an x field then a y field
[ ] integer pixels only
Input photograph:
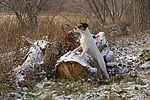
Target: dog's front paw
[
  {"x": 76, "y": 53},
  {"x": 69, "y": 52}
]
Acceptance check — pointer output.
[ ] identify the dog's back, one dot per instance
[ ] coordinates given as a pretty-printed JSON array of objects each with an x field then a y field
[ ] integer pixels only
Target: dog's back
[{"x": 95, "y": 53}]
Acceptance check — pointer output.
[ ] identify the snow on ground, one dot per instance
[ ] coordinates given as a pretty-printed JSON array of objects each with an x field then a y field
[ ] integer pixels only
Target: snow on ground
[{"x": 128, "y": 53}]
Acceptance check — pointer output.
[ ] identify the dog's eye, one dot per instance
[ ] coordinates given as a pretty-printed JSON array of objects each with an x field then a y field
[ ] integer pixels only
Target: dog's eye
[{"x": 94, "y": 37}]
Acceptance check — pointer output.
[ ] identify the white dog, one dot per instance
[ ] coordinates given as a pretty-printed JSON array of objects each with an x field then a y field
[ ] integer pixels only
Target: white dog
[{"x": 88, "y": 45}]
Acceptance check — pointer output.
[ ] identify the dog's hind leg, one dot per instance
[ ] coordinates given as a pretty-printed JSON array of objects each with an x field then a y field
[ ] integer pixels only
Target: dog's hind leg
[{"x": 102, "y": 65}]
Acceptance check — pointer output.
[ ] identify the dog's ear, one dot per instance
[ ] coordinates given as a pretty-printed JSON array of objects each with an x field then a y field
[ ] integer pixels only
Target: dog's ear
[{"x": 85, "y": 25}]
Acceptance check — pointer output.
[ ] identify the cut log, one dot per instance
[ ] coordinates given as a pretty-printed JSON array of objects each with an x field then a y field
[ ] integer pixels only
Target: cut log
[
  {"x": 71, "y": 70},
  {"x": 71, "y": 66}
]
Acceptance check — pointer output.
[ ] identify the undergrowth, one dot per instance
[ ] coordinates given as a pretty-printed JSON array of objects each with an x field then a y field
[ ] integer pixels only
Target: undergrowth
[{"x": 55, "y": 27}]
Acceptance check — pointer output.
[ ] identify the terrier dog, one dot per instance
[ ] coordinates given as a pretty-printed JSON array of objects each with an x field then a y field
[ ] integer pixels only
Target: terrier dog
[{"x": 88, "y": 45}]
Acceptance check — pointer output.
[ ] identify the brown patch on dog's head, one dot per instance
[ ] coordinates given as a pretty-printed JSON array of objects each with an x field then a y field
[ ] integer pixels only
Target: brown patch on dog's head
[{"x": 82, "y": 26}]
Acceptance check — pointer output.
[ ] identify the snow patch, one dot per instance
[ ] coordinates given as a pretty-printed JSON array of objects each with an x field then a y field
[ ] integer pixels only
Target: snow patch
[
  {"x": 145, "y": 65},
  {"x": 69, "y": 56},
  {"x": 33, "y": 59}
]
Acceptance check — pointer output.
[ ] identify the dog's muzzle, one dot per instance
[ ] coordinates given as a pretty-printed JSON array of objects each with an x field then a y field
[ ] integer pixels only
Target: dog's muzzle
[
  {"x": 75, "y": 29},
  {"x": 71, "y": 31}
]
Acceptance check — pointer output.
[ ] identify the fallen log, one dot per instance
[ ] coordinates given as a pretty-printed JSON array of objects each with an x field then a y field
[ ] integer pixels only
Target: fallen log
[
  {"x": 72, "y": 66},
  {"x": 71, "y": 70}
]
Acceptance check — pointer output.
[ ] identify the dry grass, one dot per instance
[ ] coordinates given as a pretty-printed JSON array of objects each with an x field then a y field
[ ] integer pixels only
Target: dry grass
[{"x": 54, "y": 26}]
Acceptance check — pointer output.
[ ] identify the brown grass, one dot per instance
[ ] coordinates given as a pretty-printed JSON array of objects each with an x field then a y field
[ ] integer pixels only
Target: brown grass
[{"x": 54, "y": 26}]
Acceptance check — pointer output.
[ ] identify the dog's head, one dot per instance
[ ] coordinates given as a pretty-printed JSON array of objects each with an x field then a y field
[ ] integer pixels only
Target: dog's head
[{"x": 80, "y": 27}]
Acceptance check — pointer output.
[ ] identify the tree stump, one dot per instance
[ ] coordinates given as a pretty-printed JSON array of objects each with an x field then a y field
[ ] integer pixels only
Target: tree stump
[{"x": 71, "y": 70}]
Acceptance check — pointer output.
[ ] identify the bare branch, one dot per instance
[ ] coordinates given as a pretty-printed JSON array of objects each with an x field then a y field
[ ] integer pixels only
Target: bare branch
[
  {"x": 123, "y": 13},
  {"x": 97, "y": 10},
  {"x": 26, "y": 10},
  {"x": 84, "y": 10}
]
